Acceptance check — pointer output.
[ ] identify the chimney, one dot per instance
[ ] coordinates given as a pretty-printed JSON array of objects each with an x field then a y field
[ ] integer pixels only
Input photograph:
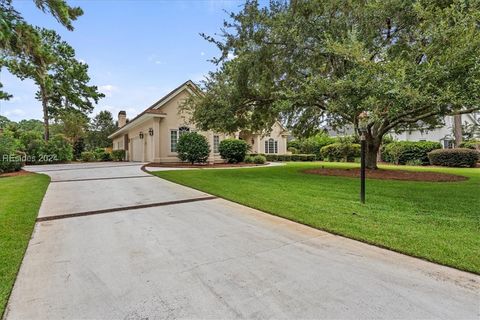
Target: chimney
[{"x": 122, "y": 118}]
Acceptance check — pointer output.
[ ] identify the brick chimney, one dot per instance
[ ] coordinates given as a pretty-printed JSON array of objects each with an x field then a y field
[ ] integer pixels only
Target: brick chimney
[{"x": 122, "y": 118}]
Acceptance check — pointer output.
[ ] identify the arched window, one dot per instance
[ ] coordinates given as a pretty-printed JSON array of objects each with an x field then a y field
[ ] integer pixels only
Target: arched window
[
  {"x": 271, "y": 146},
  {"x": 174, "y": 135}
]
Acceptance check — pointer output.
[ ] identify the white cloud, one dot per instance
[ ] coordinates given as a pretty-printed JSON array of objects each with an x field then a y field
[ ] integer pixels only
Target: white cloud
[
  {"x": 158, "y": 62},
  {"x": 108, "y": 89},
  {"x": 202, "y": 53},
  {"x": 231, "y": 56},
  {"x": 14, "y": 112}
]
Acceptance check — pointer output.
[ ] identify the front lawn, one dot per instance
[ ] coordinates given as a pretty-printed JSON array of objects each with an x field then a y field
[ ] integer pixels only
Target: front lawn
[
  {"x": 437, "y": 221},
  {"x": 20, "y": 199}
]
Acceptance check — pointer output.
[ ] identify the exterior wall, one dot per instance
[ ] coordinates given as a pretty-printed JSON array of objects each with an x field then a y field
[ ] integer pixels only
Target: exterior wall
[
  {"x": 118, "y": 143},
  {"x": 157, "y": 148},
  {"x": 175, "y": 120},
  {"x": 277, "y": 134},
  {"x": 147, "y": 143}
]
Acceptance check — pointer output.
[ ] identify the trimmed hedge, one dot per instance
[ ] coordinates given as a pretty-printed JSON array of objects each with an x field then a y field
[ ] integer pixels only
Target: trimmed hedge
[
  {"x": 259, "y": 159},
  {"x": 118, "y": 155},
  {"x": 403, "y": 152},
  {"x": 193, "y": 147},
  {"x": 233, "y": 150},
  {"x": 341, "y": 152},
  {"x": 459, "y": 157},
  {"x": 287, "y": 157},
  {"x": 471, "y": 144}
]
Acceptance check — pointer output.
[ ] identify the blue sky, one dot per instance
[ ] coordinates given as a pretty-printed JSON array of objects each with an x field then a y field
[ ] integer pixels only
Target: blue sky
[{"x": 137, "y": 51}]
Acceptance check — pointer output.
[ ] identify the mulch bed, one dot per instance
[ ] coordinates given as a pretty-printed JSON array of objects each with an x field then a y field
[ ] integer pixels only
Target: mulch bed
[
  {"x": 15, "y": 174},
  {"x": 200, "y": 166},
  {"x": 389, "y": 174}
]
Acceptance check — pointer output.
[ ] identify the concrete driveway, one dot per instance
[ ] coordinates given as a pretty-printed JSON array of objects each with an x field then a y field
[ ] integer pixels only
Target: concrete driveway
[{"x": 115, "y": 243}]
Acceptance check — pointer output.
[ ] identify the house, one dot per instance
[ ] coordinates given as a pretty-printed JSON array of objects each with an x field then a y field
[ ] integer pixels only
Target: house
[
  {"x": 153, "y": 134},
  {"x": 443, "y": 134}
]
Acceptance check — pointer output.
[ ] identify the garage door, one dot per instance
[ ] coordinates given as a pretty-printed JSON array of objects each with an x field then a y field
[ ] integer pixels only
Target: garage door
[{"x": 137, "y": 149}]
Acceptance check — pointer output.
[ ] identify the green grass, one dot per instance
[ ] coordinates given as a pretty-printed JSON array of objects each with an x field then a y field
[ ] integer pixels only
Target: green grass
[
  {"x": 437, "y": 221},
  {"x": 20, "y": 199}
]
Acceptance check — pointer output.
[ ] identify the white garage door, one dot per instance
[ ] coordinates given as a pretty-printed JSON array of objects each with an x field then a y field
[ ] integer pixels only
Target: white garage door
[{"x": 137, "y": 149}]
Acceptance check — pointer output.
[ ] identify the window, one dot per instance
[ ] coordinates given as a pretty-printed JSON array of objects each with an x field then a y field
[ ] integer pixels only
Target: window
[
  {"x": 183, "y": 130},
  {"x": 448, "y": 144},
  {"x": 271, "y": 146},
  {"x": 174, "y": 135},
  {"x": 173, "y": 140},
  {"x": 216, "y": 143}
]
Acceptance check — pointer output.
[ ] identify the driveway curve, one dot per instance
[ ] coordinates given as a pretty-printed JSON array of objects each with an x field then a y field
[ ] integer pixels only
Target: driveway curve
[{"x": 113, "y": 242}]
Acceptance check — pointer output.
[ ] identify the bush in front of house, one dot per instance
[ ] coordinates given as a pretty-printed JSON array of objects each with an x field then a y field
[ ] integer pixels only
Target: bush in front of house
[
  {"x": 249, "y": 159},
  {"x": 88, "y": 156},
  {"x": 289, "y": 157},
  {"x": 459, "y": 157},
  {"x": 193, "y": 147},
  {"x": 341, "y": 151},
  {"x": 470, "y": 144},
  {"x": 259, "y": 159},
  {"x": 102, "y": 155},
  {"x": 403, "y": 152},
  {"x": 118, "y": 155},
  {"x": 233, "y": 150},
  {"x": 10, "y": 160}
]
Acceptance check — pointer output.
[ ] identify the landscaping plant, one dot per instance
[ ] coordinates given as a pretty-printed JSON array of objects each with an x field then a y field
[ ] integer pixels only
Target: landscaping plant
[
  {"x": 403, "y": 152},
  {"x": 458, "y": 157},
  {"x": 193, "y": 147},
  {"x": 233, "y": 150}
]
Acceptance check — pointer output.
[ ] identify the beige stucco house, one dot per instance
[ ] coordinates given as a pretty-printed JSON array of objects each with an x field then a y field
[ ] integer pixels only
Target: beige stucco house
[{"x": 152, "y": 135}]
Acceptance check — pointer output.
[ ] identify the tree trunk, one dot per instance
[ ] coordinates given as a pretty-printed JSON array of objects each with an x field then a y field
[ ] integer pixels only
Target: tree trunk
[
  {"x": 457, "y": 127},
  {"x": 45, "y": 114},
  {"x": 372, "y": 147}
]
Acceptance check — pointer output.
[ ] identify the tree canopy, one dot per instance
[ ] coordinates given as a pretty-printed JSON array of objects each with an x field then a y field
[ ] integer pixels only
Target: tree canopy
[
  {"x": 62, "y": 80},
  {"x": 317, "y": 63}
]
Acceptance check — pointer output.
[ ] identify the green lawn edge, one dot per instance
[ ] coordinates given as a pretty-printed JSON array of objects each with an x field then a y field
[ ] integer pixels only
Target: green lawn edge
[
  {"x": 20, "y": 200},
  {"x": 464, "y": 188}
]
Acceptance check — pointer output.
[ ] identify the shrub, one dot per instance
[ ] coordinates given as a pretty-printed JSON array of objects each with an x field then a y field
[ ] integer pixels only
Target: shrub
[
  {"x": 401, "y": 152},
  {"x": 33, "y": 145},
  {"x": 272, "y": 157},
  {"x": 292, "y": 150},
  {"x": 78, "y": 148},
  {"x": 233, "y": 150},
  {"x": 88, "y": 156},
  {"x": 471, "y": 144},
  {"x": 118, "y": 155},
  {"x": 459, "y": 157},
  {"x": 258, "y": 159},
  {"x": 249, "y": 159},
  {"x": 341, "y": 152},
  {"x": 10, "y": 160},
  {"x": 193, "y": 147},
  {"x": 58, "y": 149},
  {"x": 102, "y": 155},
  {"x": 313, "y": 145},
  {"x": 303, "y": 157}
]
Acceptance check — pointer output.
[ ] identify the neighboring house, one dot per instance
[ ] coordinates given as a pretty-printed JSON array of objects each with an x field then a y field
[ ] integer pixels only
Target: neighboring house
[
  {"x": 152, "y": 136},
  {"x": 443, "y": 134}
]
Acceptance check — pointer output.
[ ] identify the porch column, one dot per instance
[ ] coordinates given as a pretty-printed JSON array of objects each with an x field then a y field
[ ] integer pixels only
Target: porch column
[{"x": 156, "y": 139}]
